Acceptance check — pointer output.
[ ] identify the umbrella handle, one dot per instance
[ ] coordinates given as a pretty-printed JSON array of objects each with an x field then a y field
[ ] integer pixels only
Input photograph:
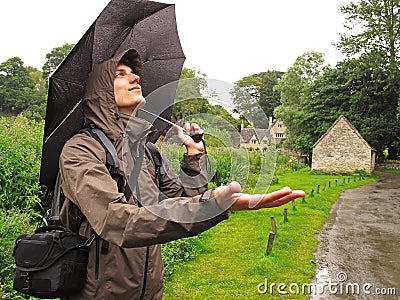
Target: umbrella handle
[{"x": 196, "y": 137}]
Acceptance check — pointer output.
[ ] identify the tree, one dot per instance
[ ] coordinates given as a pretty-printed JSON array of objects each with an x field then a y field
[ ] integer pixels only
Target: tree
[
  {"x": 255, "y": 92},
  {"x": 16, "y": 86},
  {"x": 373, "y": 33},
  {"x": 188, "y": 99},
  {"x": 296, "y": 110},
  {"x": 223, "y": 116},
  {"x": 374, "y": 26},
  {"x": 55, "y": 58},
  {"x": 356, "y": 89},
  {"x": 22, "y": 89},
  {"x": 37, "y": 106}
]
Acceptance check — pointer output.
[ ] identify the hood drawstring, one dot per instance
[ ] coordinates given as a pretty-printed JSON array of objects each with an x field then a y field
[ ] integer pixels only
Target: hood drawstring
[{"x": 117, "y": 116}]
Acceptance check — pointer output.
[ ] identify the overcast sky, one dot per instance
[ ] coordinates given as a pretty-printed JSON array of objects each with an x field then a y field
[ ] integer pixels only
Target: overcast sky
[{"x": 227, "y": 40}]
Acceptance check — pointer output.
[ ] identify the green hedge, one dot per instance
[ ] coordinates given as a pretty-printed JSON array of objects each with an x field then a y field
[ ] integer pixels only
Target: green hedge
[{"x": 20, "y": 151}]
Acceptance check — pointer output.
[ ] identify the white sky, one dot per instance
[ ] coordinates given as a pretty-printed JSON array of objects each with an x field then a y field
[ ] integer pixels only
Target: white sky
[{"x": 227, "y": 40}]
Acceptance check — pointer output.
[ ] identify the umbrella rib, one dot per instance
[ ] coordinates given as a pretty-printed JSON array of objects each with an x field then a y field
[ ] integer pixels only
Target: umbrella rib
[
  {"x": 69, "y": 81},
  {"x": 161, "y": 59},
  {"x": 63, "y": 120}
]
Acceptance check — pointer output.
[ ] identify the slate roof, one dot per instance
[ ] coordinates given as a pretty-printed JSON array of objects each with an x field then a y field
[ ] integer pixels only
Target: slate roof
[
  {"x": 341, "y": 117},
  {"x": 247, "y": 134}
]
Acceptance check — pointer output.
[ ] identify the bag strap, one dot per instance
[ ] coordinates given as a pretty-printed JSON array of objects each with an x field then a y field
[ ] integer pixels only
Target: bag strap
[
  {"x": 99, "y": 135},
  {"x": 56, "y": 199},
  {"x": 155, "y": 156}
]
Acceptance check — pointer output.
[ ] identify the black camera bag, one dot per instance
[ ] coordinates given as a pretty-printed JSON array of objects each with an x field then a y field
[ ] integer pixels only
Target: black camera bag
[{"x": 50, "y": 263}]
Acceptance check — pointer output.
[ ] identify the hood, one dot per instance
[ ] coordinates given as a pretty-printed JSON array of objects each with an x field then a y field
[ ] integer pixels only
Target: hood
[{"x": 99, "y": 106}]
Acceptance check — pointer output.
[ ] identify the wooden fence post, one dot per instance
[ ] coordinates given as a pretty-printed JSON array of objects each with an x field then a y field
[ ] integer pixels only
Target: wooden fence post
[
  {"x": 273, "y": 224},
  {"x": 270, "y": 242},
  {"x": 318, "y": 189},
  {"x": 324, "y": 187},
  {"x": 293, "y": 204},
  {"x": 312, "y": 193},
  {"x": 336, "y": 182},
  {"x": 285, "y": 218}
]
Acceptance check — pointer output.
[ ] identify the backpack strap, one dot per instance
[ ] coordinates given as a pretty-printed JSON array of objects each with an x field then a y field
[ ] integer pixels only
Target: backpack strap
[
  {"x": 112, "y": 162},
  {"x": 155, "y": 156},
  {"x": 57, "y": 199},
  {"x": 99, "y": 135}
]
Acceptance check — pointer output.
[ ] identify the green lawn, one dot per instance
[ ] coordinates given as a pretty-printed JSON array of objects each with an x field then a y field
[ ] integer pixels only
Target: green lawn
[{"x": 234, "y": 261}]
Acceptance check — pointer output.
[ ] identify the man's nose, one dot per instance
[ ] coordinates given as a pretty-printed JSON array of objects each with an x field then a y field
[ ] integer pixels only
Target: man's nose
[{"x": 133, "y": 78}]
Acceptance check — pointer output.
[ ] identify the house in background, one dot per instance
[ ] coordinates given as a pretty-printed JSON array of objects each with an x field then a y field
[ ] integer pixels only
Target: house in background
[
  {"x": 277, "y": 130},
  {"x": 252, "y": 138},
  {"x": 342, "y": 148},
  {"x": 255, "y": 139}
]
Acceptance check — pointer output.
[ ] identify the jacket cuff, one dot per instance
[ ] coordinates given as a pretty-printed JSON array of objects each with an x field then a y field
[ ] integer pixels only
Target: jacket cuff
[
  {"x": 222, "y": 207},
  {"x": 193, "y": 164}
]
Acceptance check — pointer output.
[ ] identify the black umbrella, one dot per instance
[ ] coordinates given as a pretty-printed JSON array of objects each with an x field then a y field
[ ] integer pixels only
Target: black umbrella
[{"x": 147, "y": 26}]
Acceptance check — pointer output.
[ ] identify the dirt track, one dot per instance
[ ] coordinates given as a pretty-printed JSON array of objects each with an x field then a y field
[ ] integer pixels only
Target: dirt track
[{"x": 360, "y": 244}]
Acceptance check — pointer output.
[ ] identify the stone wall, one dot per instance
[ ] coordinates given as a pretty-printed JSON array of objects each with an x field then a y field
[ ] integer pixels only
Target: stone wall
[
  {"x": 390, "y": 164},
  {"x": 342, "y": 149}
]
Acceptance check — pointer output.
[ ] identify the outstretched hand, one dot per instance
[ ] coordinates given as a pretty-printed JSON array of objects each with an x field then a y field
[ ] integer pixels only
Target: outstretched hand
[{"x": 241, "y": 201}]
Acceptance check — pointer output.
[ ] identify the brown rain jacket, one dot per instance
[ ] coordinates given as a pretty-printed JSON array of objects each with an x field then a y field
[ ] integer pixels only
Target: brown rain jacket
[{"x": 125, "y": 259}]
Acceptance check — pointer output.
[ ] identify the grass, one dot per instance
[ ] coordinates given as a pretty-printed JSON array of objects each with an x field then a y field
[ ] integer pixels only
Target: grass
[{"x": 236, "y": 262}]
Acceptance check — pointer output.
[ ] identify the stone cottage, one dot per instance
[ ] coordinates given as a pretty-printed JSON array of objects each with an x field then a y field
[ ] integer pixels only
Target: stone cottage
[
  {"x": 257, "y": 139},
  {"x": 342, "y": 148},
  {"x": 277, "y": 130}
]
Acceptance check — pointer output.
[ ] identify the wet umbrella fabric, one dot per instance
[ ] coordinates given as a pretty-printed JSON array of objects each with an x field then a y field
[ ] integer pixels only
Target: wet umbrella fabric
[{"x": 147, "y": 26}]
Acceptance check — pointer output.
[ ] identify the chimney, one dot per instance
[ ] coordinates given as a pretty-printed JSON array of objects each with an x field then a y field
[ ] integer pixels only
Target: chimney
[{"x": 270, "y": 122}]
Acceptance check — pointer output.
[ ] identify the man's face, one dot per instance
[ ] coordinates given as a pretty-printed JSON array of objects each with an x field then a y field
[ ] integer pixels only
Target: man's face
[{"x": 127, "y": 91}]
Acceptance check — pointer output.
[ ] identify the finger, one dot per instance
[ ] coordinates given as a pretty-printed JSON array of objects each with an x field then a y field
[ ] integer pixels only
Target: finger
[
  {"x": 195, "y": 126},
  {"x": 256, "y": 199},
  {"x": 197, "y": 129},
  {"x": 186, "y": 127},
  {"x": 285, "y": 199},
  {"x": 184, "y": 138}
]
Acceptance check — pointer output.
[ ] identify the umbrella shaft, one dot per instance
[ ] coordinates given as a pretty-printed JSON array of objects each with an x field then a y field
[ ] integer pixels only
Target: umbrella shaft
[
  {"x": 159, "y": 117},
  {"x": 196, "y": 137}
]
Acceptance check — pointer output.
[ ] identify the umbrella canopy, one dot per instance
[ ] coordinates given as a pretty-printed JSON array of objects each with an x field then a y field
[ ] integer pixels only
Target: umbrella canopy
[{"x": 147, "y": 26}]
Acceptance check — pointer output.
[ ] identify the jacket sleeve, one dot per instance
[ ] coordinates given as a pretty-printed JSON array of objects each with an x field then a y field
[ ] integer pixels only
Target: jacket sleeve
[
  {"x": 87, "y": 183},
  {"x": 192, "y": 180}
]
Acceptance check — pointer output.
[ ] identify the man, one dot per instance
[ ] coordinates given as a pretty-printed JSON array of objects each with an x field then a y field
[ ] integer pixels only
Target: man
[{"x": 125, "y": 259}]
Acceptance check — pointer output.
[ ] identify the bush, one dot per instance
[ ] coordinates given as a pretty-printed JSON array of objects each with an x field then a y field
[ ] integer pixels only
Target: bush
[
  {"x": 288, "y": 164},
  {"x": 20, "y": 150},
  {"x": 176, "y": 252},
  {"x": 12, "y": 223}
]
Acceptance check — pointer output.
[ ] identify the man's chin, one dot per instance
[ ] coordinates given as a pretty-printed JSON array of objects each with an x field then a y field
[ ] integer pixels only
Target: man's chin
[{"x": 141, "y": 103}]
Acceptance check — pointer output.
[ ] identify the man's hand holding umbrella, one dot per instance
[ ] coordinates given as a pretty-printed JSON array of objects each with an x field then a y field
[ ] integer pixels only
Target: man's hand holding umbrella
[{"x": 188, "y": 134}]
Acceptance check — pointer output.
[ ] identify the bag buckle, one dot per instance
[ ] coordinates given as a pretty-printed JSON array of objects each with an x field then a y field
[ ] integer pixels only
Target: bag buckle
[
  {"x": 26, "y": 289},
  {"x": 89, "y": 241}
]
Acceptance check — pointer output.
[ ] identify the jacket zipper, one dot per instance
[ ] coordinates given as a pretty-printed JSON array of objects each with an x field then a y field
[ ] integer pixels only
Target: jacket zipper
[
  {"x": 146, "y": 266},
  {"x": 96, "y": 270}
]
